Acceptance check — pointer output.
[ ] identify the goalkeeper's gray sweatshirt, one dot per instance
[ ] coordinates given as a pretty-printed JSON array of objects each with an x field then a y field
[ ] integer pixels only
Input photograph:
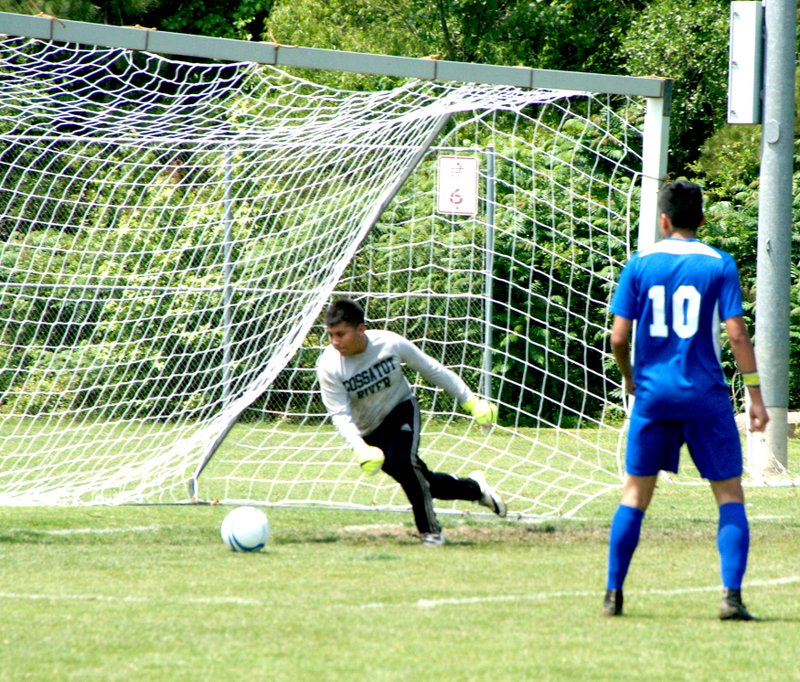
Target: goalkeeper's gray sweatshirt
[{"x": 359, "y": 391}]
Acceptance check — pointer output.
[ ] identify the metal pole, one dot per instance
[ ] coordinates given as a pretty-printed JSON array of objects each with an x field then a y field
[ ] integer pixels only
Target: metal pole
[
  {"x": 489, "y": 276},
  {"x": 773, "y": 276},
  {"x": 228, "y": 279},
  {"x": 227, "y": 317}
]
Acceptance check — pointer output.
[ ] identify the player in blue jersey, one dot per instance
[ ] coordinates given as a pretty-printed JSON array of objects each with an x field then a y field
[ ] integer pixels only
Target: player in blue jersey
[{"x": 678, "y": 292}]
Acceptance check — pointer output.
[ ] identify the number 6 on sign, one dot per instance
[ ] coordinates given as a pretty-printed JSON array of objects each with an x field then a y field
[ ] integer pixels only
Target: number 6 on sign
[{"x": 458, "y": 185}]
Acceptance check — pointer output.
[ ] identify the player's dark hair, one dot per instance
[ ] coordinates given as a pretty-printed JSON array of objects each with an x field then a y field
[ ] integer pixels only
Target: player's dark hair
[
  {"x": 682, "y": 201},
  {"x": 344, "y": 310}
]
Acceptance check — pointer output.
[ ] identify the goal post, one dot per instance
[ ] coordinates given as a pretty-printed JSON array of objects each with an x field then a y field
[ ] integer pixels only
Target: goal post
[{"x": 177, "y": 211}]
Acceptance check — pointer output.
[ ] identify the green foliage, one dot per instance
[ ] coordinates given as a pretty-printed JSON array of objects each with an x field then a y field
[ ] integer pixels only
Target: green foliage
[
  {"x": 794, "y": 312},
  {"x": 577, "y": 35},
  {"x": 124, "y": 342},
  {"x": 244, "y": 19},
  {"x": 119, "y": 12},
  {"x": 686, "y": 40},
  {"x": 730, "y": 159},
  {"x": 368, "y": 26},
  {"x": 354, "y": 25},
  {"x": 729, "y": 167},
  {"x": 78, "y": 10}
]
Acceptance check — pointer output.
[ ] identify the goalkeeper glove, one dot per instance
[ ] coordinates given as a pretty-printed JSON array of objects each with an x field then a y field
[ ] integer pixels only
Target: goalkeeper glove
[
  {"x": 370, "y": 458},
  {"x": 484, "y": 412}
]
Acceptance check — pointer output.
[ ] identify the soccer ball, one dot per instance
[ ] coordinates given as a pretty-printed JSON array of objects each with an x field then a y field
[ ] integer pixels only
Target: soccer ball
[{"x": 245, "y": 529}]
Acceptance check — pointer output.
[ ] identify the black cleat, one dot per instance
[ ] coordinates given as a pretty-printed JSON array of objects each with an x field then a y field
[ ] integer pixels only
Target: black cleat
[
  {"x": 612, "y": 604},
  {"x": 732, "y": 607}
]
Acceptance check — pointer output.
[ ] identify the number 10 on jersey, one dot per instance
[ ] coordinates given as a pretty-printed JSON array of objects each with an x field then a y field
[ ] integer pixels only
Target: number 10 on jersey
[{"x": 685, "y": 310}]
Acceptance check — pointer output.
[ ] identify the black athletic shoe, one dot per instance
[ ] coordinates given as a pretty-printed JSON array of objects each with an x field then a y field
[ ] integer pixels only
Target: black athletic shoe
[
  {"x": 612, "y": 604},
  {"x": 732, "y": 607}
]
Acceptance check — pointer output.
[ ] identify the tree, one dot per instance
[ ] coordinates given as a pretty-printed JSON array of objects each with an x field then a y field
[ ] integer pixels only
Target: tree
[
  {"x": 243, "y": 19},
  {"x": 374, "y": 26},
  {"x": 119, "y": 12},
  {"x": 686, "y": 40},
  {"x": 577, "y": 35}
]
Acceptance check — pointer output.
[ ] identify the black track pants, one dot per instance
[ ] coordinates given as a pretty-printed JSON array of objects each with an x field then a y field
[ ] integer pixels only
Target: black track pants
[{"x": 398, "y": 437}]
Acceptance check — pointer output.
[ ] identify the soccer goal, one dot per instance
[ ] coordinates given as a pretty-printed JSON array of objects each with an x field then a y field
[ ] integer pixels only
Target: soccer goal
[{"x": 176, "y": 212}]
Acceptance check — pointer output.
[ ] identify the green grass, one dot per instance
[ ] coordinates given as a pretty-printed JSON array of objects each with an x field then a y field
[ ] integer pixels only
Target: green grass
[{"x": 151, "y": 593}]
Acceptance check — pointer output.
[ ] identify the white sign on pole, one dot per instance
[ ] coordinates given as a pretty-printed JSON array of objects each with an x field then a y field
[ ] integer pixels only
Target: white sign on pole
[
  {"x": 458, "y": 185},
  {"x": 745, "y": 62}
]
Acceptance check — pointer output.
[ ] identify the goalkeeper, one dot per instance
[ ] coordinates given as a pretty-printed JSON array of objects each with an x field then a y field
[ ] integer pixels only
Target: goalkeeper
[{"x": 372, "y": 406}]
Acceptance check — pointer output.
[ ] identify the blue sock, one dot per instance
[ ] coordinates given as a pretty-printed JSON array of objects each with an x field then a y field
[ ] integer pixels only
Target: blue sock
[
  {"x": 733, "y": 542},
  {"x": 625, "y": 528}
]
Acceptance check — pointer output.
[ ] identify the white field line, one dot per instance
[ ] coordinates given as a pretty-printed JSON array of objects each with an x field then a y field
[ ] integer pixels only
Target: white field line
[
  {"x": 66, "y": 532},
  {"x": 345, "y": 529},
  {"x": 420, "y": 603},
  {"x": 544, "y": 596},
  {"x": 92, "y": 531},
  {"x": 67, "y": 597}
]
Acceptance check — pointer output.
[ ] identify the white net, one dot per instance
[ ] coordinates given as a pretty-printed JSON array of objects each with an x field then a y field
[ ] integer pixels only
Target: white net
[{"x": 170, "y": 232}]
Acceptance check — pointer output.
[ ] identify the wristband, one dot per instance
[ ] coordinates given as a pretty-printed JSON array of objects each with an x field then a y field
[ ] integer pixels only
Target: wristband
[{"x": 751, "y": 379}]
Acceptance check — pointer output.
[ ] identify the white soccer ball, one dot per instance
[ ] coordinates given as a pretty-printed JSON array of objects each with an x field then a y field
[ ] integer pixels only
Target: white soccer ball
[{"x": 245, "y": 529}]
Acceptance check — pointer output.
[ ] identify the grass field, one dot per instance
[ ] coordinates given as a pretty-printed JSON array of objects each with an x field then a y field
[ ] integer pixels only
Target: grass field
[{"x": 151, "y": 593}]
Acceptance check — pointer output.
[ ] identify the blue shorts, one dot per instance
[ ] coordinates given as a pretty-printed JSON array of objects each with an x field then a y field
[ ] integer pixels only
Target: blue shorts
[{"x": 712, "y": 440}]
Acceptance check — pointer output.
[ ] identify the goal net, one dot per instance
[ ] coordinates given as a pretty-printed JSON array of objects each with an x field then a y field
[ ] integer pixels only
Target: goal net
[{"x": 170, "y": 232}]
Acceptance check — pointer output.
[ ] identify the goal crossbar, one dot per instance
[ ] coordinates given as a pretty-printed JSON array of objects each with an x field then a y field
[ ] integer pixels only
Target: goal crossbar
[{"x": 226, "y": 49}]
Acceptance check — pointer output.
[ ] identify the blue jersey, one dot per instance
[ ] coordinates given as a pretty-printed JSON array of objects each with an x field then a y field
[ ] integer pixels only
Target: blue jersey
[{"x": 678, "y": 292}]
